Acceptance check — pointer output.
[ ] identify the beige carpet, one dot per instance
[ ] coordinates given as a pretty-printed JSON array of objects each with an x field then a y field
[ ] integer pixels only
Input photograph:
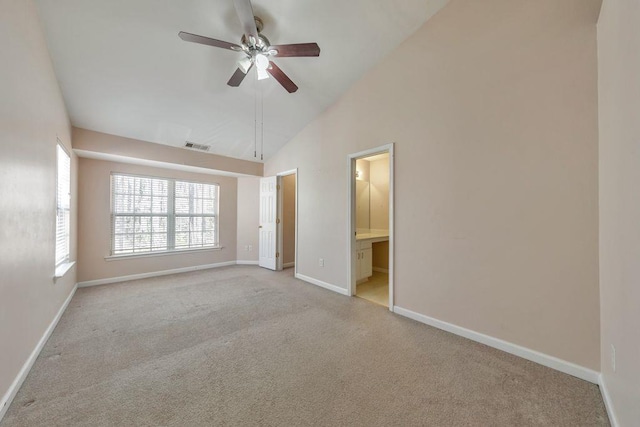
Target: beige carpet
[{"x": 244, "y": 346}]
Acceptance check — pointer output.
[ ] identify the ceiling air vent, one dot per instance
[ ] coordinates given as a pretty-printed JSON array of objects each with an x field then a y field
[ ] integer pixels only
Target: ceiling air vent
[{"x": 195, "y": 146}]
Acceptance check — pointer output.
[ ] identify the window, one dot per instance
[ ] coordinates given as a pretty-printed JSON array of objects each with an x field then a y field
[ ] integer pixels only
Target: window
[
  {"x": 158, "y": 215},
  {"x": 63, "y": 206}
]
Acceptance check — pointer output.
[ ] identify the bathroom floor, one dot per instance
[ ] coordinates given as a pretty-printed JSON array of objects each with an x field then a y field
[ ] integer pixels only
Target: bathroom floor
[{"x": 376, "y": 289}]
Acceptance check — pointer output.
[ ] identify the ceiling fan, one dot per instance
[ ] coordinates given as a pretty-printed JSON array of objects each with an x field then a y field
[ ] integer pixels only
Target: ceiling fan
[{"x": 257, "y": 49}]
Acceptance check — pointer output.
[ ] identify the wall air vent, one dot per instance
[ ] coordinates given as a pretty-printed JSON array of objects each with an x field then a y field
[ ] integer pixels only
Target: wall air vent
[{"x": 194, "y": 146}]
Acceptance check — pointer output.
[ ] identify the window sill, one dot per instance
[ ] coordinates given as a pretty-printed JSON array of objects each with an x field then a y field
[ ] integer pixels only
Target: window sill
[
  {"x": 163, "y": 253},
  {"x": 63, "y": 269}
]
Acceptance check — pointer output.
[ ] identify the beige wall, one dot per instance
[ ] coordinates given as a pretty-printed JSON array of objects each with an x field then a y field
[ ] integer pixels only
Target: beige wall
[
  {"x": 619, "y": 87},
  {"x": 379, "y": 189},
  {"x": 102, "y": 143},
  {"x": 32, "y": 113},
  {"x": 288, "y": 219},
  {"x": 363, "y": 166},
  {"x": 493, "y": 109},
  {"x": 248, "y": 218},
  {"x": 363, "y": 196},
  {"x": 94, "y": 231}
]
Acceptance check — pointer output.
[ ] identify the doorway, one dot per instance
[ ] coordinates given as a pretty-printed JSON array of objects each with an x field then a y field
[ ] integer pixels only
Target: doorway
[
  {"x": 278, "y": 237},
  {"x": 287, "y": 214},
  {"x": 371, "y": 225}
]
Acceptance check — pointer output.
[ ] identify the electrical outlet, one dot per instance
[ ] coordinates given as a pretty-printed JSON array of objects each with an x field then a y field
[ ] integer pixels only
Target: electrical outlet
[
  {"x": 321, "y": 262},
  {"x": 613, "y": 358},
  {"x": 250, "y": 248}
]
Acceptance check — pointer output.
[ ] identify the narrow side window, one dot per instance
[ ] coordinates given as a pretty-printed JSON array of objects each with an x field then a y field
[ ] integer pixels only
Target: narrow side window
[{"x": 63, "y": 206}]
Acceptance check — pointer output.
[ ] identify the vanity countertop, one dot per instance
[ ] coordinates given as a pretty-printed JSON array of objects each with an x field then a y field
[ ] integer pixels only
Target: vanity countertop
[{"x": 373, "y": 235}]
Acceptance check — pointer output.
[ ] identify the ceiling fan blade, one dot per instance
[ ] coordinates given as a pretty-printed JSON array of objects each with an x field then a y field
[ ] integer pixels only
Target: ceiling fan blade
[
  {"x": 281, "y": 77},
  {"x": 238, "y": 77},
  {"x": 300, "y": 49},
  {"x": 194, "y": 38},
  {"x": 245, "y": 14}
]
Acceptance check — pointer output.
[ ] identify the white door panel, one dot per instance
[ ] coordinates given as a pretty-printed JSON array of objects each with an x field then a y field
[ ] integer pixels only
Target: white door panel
[{"x": 268, "y": 213}]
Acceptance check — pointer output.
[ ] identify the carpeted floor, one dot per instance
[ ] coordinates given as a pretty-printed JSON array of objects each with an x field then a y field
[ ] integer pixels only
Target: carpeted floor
[{"x": 244, "y": 346}]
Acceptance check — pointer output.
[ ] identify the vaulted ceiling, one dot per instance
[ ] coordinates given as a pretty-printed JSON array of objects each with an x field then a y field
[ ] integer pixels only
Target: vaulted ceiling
[{"x": 124, "y": 71}]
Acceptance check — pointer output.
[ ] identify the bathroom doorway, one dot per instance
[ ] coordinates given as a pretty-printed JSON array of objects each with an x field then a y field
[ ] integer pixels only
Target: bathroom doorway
[{"x": 371, "y": 225}]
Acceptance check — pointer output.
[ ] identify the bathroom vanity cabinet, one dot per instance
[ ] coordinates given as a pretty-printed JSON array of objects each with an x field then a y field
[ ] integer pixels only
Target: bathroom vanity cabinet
[
  {"x": 364, "y": 257},
  {"x": 364, "y": 252}
]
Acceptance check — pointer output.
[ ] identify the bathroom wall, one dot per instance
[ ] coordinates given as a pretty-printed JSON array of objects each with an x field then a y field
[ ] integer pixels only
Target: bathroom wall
[
  {"x": 381, "y": 256},
  {"x": 379, "y": 190},
  {"x": 363, "y": 194}
]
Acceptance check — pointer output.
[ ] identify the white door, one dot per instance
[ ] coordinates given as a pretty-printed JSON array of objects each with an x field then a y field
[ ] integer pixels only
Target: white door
[{"x": 268, "y": 213}]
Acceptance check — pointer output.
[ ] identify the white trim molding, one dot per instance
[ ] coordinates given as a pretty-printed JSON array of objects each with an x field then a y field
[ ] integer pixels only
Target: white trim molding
[
  {"x": 24, "y": 371},
  {"x": 162, "y": 253},
  {"x": 334, "y": 288},
  {"x": 289, "y": 264},
  {"x": 607, "y": 401},
  {"x": 526, "y": 353},
  {"x": 153, "y": 274},
  {"x": 246, "y": 262},
  {"x": 63, "y": 269}
]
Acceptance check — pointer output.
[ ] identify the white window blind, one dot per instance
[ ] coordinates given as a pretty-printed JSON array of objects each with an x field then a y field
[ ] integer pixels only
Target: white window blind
[
  {"x": 63, "y": 205},
  {"x": 158, "y": 214},
  {"x": 196, "y": 206}
]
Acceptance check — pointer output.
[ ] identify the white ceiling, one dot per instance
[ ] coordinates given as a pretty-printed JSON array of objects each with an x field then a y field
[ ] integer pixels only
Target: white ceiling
[{"x": 124, "y": 71}]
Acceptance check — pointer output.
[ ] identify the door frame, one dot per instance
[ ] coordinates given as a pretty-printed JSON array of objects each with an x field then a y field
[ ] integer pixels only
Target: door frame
[
  {"x": 279, "y": 231},
  {"x": 351, "y": 229}
]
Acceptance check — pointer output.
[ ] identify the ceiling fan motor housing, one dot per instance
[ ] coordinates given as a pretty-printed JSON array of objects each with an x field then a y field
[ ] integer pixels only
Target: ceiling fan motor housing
[{"x": 263, "y": 42}]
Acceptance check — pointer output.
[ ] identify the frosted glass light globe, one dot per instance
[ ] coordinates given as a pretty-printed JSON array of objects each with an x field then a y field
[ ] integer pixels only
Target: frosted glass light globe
[{"x": 262, "y": 62}]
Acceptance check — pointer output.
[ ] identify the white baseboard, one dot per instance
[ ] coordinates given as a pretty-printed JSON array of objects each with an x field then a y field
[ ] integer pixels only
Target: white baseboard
[
  {"x": 24, "y": 371},
  {"x": 607, "y": 401},
  {"x": 288, "y": 264},
  {"x": 245, "y": 262},
  {"x": 526, "y": 353},
  {"x": 381, "y": 270},
  {"x": 322, "y": 284},
  {"x": 153, "y": 274}
]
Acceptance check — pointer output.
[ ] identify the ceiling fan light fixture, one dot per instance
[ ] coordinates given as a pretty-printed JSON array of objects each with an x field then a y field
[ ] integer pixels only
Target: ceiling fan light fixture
[
  {"x": 257, "y": 49},
  {"x": 244, "y": 64},
  {"x": 262, "y": 62},
  {"x": 262, "y": 74}
]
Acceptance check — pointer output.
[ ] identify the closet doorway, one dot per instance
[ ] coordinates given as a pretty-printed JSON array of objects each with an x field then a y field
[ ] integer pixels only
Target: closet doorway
[
  {"x": 371, "y": 225},
  {"x": 287, "y": 216},
  {"x": 278, "y": 226}
]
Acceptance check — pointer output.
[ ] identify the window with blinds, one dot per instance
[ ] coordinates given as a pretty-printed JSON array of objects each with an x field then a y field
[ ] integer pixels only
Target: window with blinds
[
  {"x": 151, "y": 214},
  {"x": 63, "y": 205}
]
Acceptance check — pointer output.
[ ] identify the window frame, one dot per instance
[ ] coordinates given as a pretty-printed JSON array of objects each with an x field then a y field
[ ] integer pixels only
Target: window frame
[{"x": 170, "y": 215}]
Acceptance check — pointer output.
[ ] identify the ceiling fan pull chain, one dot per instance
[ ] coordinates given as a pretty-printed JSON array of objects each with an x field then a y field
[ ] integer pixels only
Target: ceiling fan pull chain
[
  {"x": 255, "y": 118},
  {"x": 261, "y": 124}
]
